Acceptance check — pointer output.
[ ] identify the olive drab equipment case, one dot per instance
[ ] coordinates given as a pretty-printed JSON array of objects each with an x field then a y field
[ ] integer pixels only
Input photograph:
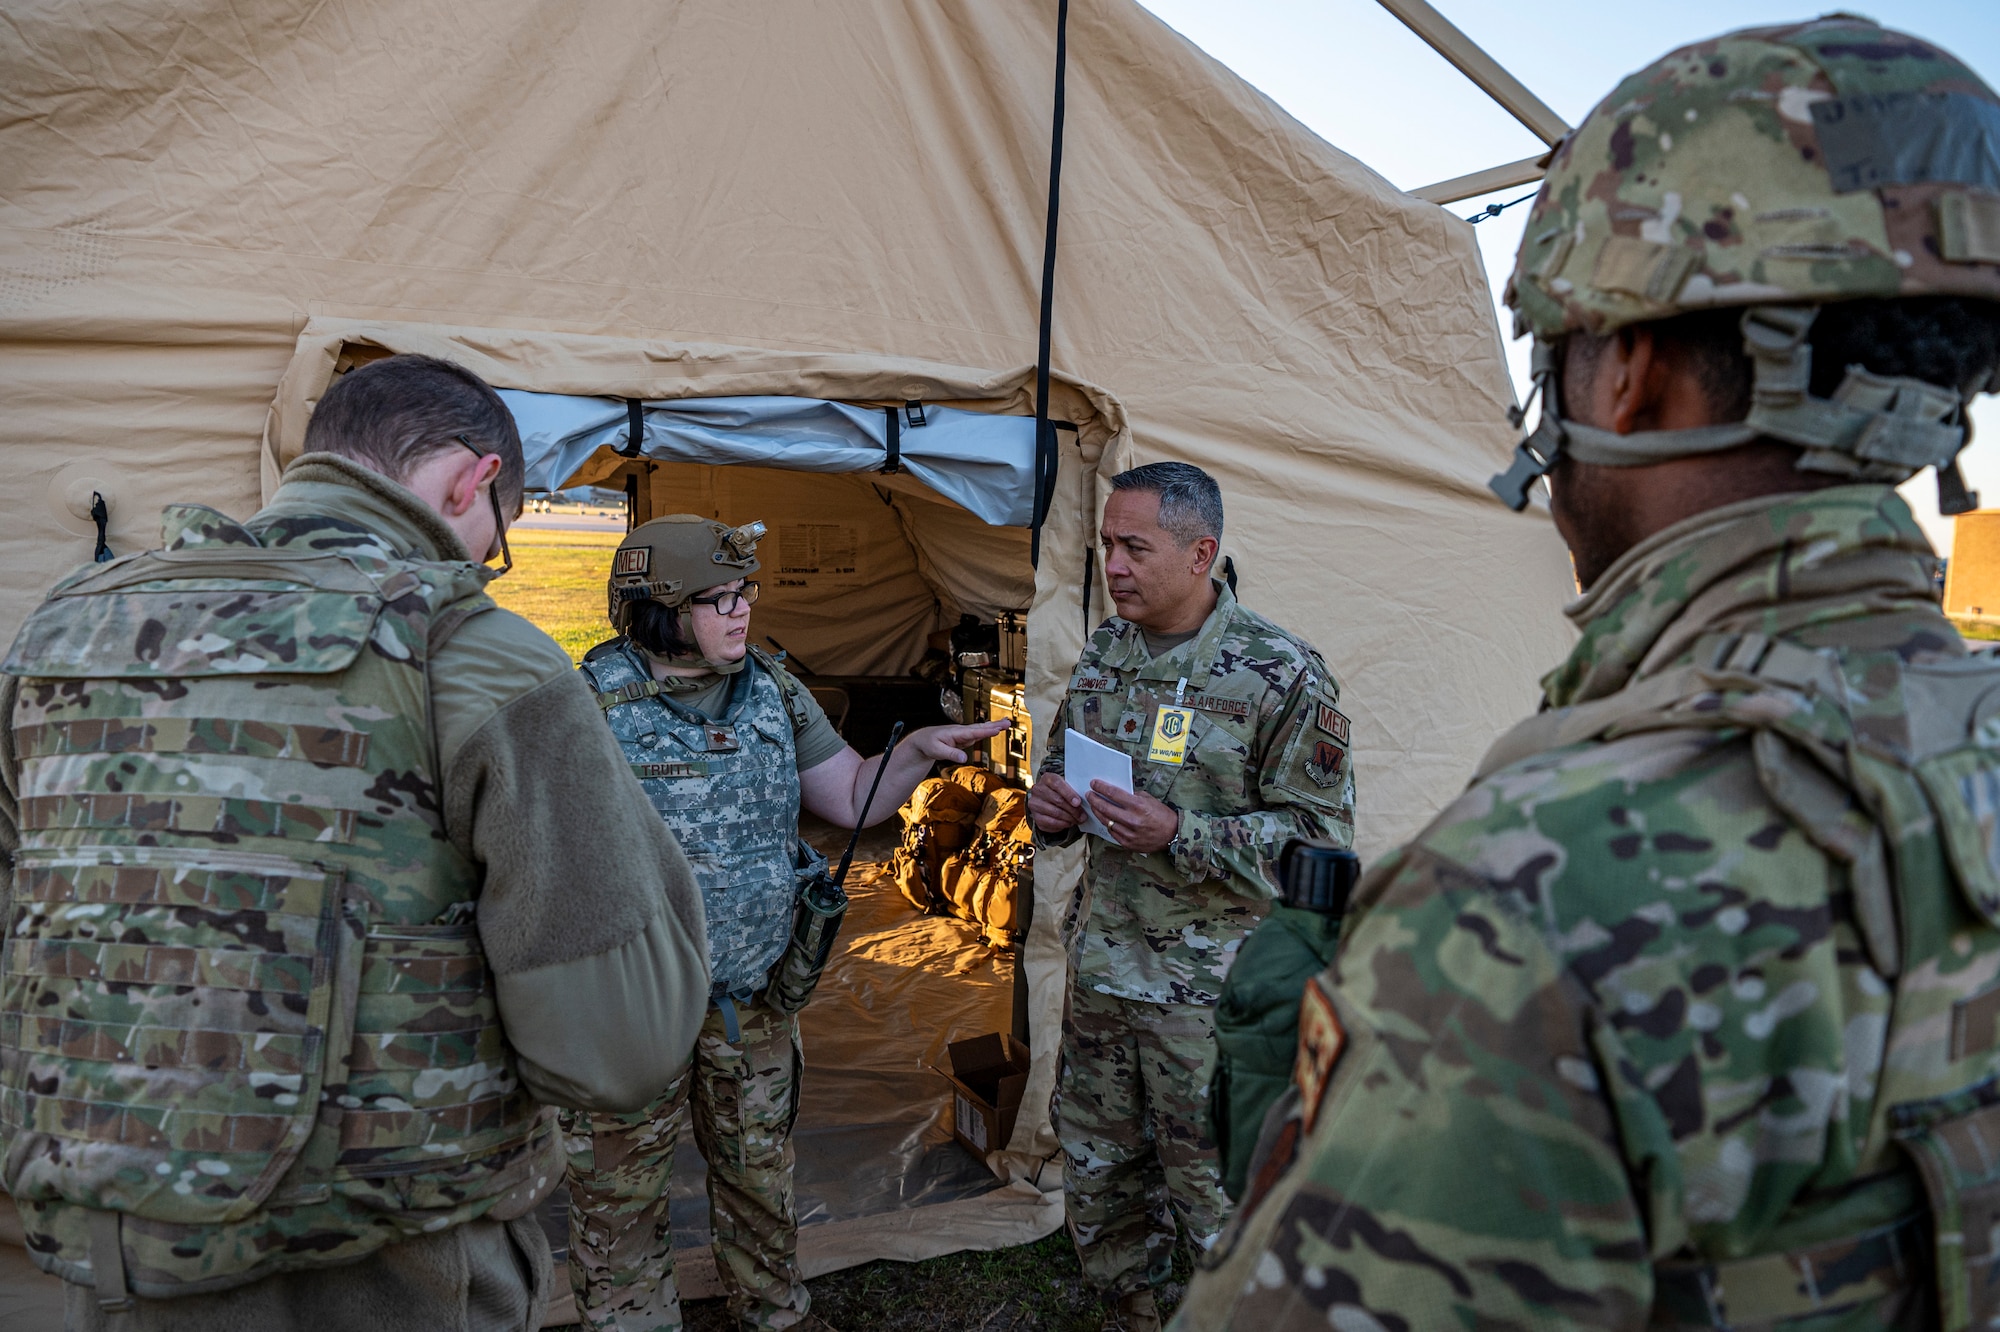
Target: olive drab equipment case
[
  {"x": 967, "y": 851},
  {"x": 1892, "y": 769},
  {"x": 1257, "y": 1016},
  {"x": 246, "y": 1023}
]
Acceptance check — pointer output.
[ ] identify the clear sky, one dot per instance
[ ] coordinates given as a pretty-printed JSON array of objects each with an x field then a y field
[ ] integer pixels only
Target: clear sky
[{"x": 1359, "y": 79}]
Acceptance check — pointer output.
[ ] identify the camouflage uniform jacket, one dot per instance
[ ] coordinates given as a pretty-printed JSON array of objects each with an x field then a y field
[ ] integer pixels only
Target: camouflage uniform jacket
[
  {"x": 728, "y": 790},
  {"x": 250, "y": 1018},
  {"x": 1266, "y": 760},
  {"x": 1650, "y": 1025}
]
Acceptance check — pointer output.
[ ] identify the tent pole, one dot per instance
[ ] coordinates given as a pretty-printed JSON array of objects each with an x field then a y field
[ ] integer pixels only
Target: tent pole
[{"x": 1045, "y": 435}]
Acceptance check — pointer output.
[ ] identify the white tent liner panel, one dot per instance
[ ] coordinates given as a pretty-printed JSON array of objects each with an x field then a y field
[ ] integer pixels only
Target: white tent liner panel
[{"x": 985, "y": 463}]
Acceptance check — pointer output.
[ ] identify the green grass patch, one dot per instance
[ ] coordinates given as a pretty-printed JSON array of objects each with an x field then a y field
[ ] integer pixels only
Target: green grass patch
[
  {"x": 1989, "y": 633},
  {"x": 558, "y": 582}
]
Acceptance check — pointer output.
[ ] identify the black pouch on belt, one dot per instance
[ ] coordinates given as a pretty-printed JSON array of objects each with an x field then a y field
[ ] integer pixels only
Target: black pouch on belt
[{"x": 822, "y": 904}]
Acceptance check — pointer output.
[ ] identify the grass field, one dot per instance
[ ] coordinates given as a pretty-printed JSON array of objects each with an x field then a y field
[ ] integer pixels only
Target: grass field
[
  {"x": 558, "y": 582},
  {"x": 1989, "y": 633}
]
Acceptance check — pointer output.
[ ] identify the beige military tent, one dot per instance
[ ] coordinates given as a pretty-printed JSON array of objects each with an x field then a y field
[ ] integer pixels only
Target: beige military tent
[{"x": 207, "y": 210}]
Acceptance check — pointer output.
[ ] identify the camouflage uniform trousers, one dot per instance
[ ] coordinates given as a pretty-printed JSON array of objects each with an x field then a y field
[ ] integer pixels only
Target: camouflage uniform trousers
[
  {"x": 743, "y": 1097},
  {"x": 1131, "y": 1111}
]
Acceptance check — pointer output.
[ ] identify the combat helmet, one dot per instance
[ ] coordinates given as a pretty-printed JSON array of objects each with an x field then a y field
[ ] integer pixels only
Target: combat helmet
[
  {"x": 1777, "y": 170},
  {"x": 674, "y": 558}
]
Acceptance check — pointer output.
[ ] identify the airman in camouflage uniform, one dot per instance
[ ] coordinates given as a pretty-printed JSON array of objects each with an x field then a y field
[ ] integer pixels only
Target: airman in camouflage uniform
[
  {"x": 305, "y": 916},
  {"x": 1237, "y": 746},
  {"x": 728, "y": 746},
  {"x": 1683, "y": 1015}
]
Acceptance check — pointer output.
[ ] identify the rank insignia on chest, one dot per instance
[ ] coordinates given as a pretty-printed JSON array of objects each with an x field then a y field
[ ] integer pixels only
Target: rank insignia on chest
[
  {"x": 1128, "y": 726},
  {"x": 722, "y": 739},
  {"x": 1331, "y": 720},
  {"x": 1325, "y": 765},
  {"x": 1320, "y": 1043},
  {"x": 1170, "y": 735}
]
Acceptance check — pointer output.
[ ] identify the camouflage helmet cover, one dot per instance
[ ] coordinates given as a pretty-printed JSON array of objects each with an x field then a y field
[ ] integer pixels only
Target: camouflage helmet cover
[
  {"x": 1809, "y": 163},
  {"x": 677, "y": 557},
  {"x": 1774, "y": 170}
]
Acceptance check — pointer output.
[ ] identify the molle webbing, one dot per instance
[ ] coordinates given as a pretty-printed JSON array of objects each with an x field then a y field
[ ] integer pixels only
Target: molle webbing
[
  {"x": 232, "y": 1006},
  {"x": 1749, "y": 1292},
  {"x": 630, "y": 692},
  {"x": 728, "y": 790}
]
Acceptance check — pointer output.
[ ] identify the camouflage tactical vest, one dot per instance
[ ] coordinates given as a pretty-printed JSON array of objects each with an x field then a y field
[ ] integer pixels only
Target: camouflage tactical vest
[
  {"x": 246, "y": 1021},
  {"x": 729, "y": 792},
  {"x": 1891, "y": 768}
]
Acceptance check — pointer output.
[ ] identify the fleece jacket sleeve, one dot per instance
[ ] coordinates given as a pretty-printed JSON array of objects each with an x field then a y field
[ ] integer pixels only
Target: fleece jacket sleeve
[{"x": 590, "y": 916}]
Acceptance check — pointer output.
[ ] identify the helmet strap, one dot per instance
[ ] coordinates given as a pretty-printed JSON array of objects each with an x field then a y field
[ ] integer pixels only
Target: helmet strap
[
  {"x": 1537, "y": 452},
  {"x": 1873, "y": 428}
]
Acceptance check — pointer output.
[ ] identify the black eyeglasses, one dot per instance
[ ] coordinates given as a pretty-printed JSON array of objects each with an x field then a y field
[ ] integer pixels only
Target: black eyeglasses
[
  {"x": 726, "y": 601},
  {"x": 499, "y": 524}
]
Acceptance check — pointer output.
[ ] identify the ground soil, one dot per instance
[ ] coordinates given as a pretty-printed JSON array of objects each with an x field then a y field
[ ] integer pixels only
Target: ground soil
[{"x": 1031, "y": 1288}]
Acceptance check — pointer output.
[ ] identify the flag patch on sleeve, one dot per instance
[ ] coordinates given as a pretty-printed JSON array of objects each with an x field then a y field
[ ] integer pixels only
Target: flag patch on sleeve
[{"x": 1321, "y": 1040}]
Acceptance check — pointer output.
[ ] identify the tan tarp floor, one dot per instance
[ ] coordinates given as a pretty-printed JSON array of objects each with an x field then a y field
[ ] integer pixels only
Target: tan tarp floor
[{"x": 873, "y": 1137}]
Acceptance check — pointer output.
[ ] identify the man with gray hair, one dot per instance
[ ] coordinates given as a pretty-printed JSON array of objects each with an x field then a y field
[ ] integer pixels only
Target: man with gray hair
[{"x": 1237, "y": 745}]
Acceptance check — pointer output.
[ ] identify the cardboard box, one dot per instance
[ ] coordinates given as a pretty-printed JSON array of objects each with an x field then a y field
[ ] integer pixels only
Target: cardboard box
[{"x": 988, "y": 1075}]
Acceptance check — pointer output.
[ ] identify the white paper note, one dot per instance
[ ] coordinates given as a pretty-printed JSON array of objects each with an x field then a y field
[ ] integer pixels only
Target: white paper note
[{"x": 1086, "y": 761}]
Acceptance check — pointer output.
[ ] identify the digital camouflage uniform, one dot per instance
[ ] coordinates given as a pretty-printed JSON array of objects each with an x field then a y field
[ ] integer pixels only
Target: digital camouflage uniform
[
  {"x": 729, "y": 790},
  {"x": 250, "y": 1031},
  {"x": 1683, "y": 1015},
  {"x": 1266, "y": 760}
]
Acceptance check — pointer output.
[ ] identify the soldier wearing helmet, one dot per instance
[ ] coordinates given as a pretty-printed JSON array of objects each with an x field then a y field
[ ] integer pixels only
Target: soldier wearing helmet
[
  {"x": 729, "y": 746},
  {"x": 1683, "y": 1015}
]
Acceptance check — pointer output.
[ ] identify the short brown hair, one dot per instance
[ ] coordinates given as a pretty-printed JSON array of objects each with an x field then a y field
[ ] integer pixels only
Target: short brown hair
[{"x": 390, "y": 415}]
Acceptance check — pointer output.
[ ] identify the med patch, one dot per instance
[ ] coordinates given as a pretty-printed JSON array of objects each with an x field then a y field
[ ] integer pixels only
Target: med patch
[{"x": 1331, "y": 720}]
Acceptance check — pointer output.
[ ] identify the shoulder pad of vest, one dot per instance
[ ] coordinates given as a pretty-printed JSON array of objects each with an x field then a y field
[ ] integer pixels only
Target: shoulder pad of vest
[
  {"x": 608, "y": 646},
  {"x": 788, "y": 683},
  {"x": 116, "y": 622},
  {"x": 1951, "y": 703},
  {"x": 790, "y": 687}
]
